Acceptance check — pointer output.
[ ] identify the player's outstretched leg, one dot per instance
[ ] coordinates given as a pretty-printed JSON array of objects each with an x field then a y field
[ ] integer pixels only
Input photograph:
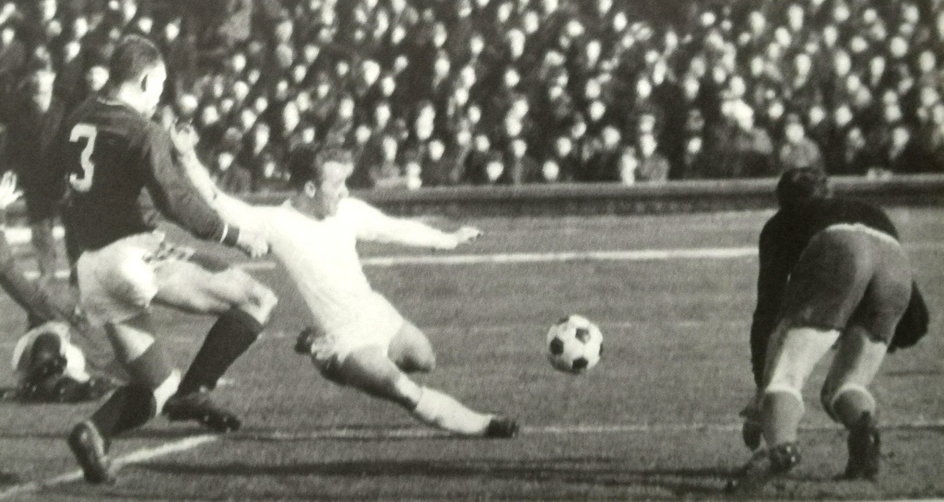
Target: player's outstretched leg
[
  {"x": 208, "y": 285},
  {"x": 153, "y": 380},
  {"x": 846, "y": 398},
  {"x": 371, "y": 371}
]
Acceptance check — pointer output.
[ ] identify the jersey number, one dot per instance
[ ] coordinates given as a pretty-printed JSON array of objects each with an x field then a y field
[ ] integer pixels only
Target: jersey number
[{"x": 83, "y": 183}]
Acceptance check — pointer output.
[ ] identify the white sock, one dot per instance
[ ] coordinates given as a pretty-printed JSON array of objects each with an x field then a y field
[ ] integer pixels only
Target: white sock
[{"x": 440, "y": 410}]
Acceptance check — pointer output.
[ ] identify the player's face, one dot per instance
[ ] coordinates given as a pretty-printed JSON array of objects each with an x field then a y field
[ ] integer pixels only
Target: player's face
[
  {"x": 152, "y": 88},
  {"x": 333, "y": 187}
]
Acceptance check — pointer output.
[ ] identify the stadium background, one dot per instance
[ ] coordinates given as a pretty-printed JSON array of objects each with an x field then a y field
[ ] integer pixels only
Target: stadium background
[
  {"x": 430, "y": 93},
  {"x": 672, "y": 292}
]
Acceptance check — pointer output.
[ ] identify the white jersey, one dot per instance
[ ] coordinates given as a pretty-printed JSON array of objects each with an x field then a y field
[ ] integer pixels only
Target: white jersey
[{"x": 321, "y": 257}]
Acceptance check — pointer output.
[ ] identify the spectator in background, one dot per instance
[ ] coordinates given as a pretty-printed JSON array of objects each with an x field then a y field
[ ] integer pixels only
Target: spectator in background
[
  {"x": 229, "y": 175},
  {"x": 797, "y": 150},
  {"x": 510, "y": 70},
  {"x": 35, "y": 118},
  {"x": 745, "y": 150},
  {"x": 653, "y": 166}
]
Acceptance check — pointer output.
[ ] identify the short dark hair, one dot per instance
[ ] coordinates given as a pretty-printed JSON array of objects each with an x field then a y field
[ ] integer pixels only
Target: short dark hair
[
  {"x": 133, "y": 56},
  {"x": 307, "y": 162},
  {"x": 800, "y": 185}
]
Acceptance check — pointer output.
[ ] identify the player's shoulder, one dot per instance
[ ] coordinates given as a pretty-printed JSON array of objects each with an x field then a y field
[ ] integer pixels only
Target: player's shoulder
[
  {"x": 354, "y": 208},
  {"x": 112, "y": 118}
]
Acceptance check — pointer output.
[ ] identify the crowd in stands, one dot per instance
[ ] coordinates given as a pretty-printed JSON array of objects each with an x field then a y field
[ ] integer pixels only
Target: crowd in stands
[{"x": 447, "y": 92}]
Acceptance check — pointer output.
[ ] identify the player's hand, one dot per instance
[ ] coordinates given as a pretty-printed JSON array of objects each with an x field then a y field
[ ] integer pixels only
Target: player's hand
[
  {"x": 252, "y": 244},
  {"x": 184, "y": 138},
  {"x": 8, "y": 192},
  {"x": 466, "y": 234},
  {"x": 751, "y": 430}
]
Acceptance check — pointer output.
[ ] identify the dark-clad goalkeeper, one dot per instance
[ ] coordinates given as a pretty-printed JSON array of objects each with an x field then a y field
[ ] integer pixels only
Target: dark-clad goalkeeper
[
  {"x": 832, "y": 273},
  {"x": 110, "y": 152}
]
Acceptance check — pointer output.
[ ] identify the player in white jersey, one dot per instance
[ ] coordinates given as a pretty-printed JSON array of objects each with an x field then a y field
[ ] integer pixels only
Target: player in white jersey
[{"x": 358, "y": 338}]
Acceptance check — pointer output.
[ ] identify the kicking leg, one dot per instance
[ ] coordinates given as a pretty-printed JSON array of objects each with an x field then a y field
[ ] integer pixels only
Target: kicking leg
[
  {"x": 243, "y": 306},
  {"x": 371, "y": 371}
]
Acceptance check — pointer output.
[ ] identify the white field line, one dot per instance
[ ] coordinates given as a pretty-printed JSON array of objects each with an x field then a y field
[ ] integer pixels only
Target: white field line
[
  {"x": 726, "y": 253},
  {"x": 342, "y": 433},
  {"x": 549, "y": 430},
  {"x": 142, "y": 455}
]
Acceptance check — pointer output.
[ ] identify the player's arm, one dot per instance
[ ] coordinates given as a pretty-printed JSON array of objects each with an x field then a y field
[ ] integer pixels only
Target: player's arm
[
  {"x": 178, "y": 199},
  {"x": 374, "y": 225},
  {"x": 771, "y": 279},
  {"x": 232, "y": 210}
]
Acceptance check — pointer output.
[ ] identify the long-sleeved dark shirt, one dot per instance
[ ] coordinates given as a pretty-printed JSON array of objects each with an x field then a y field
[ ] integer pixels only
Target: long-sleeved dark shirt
[{"x": 109, "y": 154}]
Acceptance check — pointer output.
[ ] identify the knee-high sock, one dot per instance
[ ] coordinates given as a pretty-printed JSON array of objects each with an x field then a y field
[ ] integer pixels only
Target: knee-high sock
[
  {"x": 443, "y": 411},
  {"x": 780, "y": 414},
  {"x": 850, "y": 404},
  {"x": 133, "y": 405},
  {"x": 231, "y": 335}
]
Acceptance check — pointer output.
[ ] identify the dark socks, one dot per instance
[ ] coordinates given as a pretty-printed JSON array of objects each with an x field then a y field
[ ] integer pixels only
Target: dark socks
[
  {"x": 127, "y": 408},
  {"x": 232, "y": 334}
]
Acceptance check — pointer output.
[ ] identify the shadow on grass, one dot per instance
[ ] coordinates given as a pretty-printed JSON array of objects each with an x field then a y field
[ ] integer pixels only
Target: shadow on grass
[{"x": 597, "y": 472}]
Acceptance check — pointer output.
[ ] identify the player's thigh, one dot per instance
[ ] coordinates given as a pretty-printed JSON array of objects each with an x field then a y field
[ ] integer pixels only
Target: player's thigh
[
  {"x": 858, "y": 359},
  {"x": 829, "y": 280},
  {"x": 191, "y": 286},
  {"x": 369, "y": 370},
  {"x": 410, "y": 349},
  {"x": 889, "y": 291},
  {"x": 793, "y": 353}
]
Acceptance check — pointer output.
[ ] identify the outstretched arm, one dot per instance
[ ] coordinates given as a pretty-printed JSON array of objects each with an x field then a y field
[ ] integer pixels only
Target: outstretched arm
[
  {"x": 232, "y": 210},
  {"x": 374, "y": 225}
]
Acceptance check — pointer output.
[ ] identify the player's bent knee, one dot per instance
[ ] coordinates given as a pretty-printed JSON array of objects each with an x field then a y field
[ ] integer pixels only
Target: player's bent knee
[{"x": 426, "y": 363}]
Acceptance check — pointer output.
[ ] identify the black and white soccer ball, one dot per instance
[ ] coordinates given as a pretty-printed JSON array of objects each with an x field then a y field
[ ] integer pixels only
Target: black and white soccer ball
[{"x": 574, "y": 344}]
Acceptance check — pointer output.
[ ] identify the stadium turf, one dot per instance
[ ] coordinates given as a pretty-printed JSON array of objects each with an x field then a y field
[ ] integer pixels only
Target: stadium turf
[{"x": 657, "y": 419}]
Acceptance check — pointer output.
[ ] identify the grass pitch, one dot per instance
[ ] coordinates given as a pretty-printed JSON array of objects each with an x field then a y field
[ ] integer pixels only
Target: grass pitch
[{"x": 657, "y": 419}]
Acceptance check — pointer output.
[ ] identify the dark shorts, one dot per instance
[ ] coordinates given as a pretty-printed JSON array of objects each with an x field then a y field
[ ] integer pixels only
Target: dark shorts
[{"x": 849, "y": 275}]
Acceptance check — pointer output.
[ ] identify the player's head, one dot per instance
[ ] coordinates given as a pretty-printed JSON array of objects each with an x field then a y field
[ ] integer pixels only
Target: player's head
[
  {"x": 137, "y": 70},
  {"x": 800, "y": 185},
  {"x": 320, "y": 174}
]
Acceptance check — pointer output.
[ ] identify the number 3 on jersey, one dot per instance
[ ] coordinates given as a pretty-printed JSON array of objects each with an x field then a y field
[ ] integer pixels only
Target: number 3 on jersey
[{"x": 83, "y": 183}]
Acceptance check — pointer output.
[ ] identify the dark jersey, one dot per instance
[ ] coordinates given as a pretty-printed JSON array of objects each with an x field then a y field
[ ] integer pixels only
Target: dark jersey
[
  {"x": 783, "y": 239},
  {"x": 107, "y": 154}
]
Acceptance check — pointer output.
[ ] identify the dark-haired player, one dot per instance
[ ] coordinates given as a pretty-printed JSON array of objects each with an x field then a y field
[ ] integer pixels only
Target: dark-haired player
[
  {"x": 111, "y": 152},
  {"x": 832, "y": 273},
  {"x": 359, "y": 339}
]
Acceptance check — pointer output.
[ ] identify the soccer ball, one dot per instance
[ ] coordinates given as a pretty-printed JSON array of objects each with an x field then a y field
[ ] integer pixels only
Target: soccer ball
[{"x": 574, "y": 344}]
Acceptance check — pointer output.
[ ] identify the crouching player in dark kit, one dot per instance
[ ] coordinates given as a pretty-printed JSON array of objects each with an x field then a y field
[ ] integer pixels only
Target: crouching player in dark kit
[
  {"x": 109, "y": 151},
  {"x": 832, "y": 273}
]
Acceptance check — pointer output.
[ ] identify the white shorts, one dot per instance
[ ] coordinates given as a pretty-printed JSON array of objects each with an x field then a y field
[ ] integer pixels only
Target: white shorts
[
  {"x": 119, "y": 281},
  {"x": 375, "y": 325}
]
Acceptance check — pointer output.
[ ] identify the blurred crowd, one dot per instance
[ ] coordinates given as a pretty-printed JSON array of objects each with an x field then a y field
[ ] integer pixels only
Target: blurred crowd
[{"x": 447, "y": 92}]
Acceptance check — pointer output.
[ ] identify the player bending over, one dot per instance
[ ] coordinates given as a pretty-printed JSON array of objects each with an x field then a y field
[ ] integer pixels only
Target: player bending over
[
  {"x": 359, "y": 338},
  {"x": 110, "y": 151},
  {"x": 832, "y": 273}
]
